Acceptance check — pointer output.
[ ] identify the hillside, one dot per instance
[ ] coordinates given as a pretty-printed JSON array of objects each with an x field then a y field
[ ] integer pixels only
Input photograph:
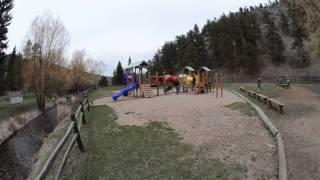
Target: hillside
[
  {"x": 304, "y": 15},
  {"x": 307, "y": 13},
  {"x": 275, "y": 39}
]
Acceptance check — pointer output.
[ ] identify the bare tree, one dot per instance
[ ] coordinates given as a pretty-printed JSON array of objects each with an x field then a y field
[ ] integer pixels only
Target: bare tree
[
  {"x": 50, "y": 39},
  {"x": 79, "y": 69},
  {"x": 86, "y": 70}
]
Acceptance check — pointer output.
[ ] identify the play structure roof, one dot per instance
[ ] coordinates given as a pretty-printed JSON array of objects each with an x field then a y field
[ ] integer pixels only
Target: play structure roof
[
  {"x": 189, "y": 69},
  {"x": 139, "y": 64},
  {"x": 205, "y": 68}
]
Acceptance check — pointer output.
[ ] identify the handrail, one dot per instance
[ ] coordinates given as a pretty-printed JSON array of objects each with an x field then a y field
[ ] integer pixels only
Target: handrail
[
  {"x": 65, "y": 157},
  {"x": 78, "y": 111},
  {"x": 78, "y": 119},
  {"x": 53, "y": 155}
]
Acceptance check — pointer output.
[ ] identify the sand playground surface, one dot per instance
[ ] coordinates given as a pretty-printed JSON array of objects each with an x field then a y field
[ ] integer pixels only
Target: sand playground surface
[{"x": 206, "y": 123}]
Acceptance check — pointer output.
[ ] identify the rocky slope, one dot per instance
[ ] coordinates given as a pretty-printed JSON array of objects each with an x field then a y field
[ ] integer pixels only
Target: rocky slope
[{"x": 307, "y": 13}]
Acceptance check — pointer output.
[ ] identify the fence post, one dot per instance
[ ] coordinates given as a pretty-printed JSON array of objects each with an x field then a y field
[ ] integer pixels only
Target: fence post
[
  {"x": 83, "y": 113},
  {"x": 88, "y": 104},
  {"x": 76, "y": 130}
]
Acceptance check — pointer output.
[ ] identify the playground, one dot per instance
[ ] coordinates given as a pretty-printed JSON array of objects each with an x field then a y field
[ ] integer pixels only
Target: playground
[
  {"x": 202, "y": 135},
  {"x": 234, "y": 130},
  {"x": 217, "y": 123},
  {"x": 209, "y": 124}
]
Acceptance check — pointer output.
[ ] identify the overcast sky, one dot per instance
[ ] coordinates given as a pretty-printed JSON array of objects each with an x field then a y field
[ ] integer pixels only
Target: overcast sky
[{"x": 113, "y": 30}]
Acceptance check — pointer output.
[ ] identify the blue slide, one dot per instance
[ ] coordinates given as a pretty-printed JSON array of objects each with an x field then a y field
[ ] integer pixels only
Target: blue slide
[{"x": 124, "y": 91}]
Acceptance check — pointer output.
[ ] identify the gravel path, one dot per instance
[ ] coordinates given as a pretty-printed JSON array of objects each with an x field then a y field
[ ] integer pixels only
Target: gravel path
[
  {"x": 300, "y": 129},
  {"x": 205, "y": 122}
]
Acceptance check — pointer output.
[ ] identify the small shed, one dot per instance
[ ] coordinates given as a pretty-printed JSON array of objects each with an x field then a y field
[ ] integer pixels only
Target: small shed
[{"x": 16, "y": 97}]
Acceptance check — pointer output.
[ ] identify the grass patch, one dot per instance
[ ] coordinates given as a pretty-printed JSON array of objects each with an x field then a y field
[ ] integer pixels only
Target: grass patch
[
  {"x": 244, "y": 108},
  {"x": 154, "y": 151},
  {"x": 312, "y": 87},
  {"x": 104, "y": 92},
  {"x": 8, "y": 110}
]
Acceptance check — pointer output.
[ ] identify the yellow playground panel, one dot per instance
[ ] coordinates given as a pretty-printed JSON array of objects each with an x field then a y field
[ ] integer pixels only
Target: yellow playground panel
[
  {"x": 203, "y": 79},
  {"x": 186, "y": 78}
]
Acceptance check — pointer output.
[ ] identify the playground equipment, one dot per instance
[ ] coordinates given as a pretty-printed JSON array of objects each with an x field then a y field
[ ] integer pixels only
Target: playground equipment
[
  {"x": 186, "y": 78},
  {"x": 137, "y": 85},
  {"x": 125, "y": 91},
  {"x": 203, "y": 81},
  {"x": 156, "y": 81},
  {"x": 140, "y": 83},
  {"x": 219, "y": 84},
  {"x": 170, "y": 81}
]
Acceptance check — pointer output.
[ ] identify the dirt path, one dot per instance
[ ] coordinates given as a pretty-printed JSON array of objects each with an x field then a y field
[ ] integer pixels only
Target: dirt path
[
  {"x": 206, "y": 123},
  {"x": 300, "y": 128}
]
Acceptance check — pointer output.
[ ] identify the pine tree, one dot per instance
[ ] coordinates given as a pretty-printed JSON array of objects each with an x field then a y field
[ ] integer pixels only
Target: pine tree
[
  {"x": 114, "y": 79},
  {"x": 169, "y": 56},
  {"x": 298, "y": 34},
  {"x": 27, "y": 50},
  {"x": 284, "y": 23},
  {"x": 103, "y": 81},
  {"x": 118, "y": 75},
  {"x": 275, "y": 46},
  {"x": 156, "y": 67},
  {"x": 12, "y": 70},
  {"x": 202, "y": 53},
  {"x": 182, "y": 43},
  {"x": 14, "y": 75},
  {"x": 5, "y": 19}
]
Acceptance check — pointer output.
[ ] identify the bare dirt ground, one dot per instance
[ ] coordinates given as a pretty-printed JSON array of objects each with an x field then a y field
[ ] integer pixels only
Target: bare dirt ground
[
  {"x": 300, "y": 128},
  {"x": 205, "y": 122}
]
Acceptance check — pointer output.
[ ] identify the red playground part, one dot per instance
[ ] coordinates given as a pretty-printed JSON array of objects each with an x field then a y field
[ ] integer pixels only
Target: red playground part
[{"x": 171, "y": 79}]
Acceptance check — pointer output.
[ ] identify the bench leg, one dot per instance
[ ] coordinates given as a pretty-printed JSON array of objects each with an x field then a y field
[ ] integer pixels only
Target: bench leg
[{"x": 281, "y": 109}]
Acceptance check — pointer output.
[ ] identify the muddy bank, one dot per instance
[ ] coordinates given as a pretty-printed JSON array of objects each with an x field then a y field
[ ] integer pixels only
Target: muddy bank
[{"x": 16, "y": 154}]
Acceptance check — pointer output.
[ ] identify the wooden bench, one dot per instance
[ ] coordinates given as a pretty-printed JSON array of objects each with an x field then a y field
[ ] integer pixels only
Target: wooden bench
[
  {"x": 242, "y": 89},
  {"x": 262, "y": 97},
  {"x": 252, "y": 94},
  {"x": 284, "y": 85},
  {"x": 274, "y": 102}
]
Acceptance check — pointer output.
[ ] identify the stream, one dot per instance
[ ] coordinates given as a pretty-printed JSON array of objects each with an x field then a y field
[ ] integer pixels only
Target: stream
[{"x": 16, "y": 154}]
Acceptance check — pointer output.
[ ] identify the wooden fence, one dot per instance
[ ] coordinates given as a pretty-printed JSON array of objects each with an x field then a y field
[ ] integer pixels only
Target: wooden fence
[{"x": 73, "y": 132}]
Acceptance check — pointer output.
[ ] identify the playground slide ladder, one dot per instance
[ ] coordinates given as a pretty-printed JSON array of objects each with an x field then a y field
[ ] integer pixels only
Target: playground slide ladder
[
  {"x": 185, "y": 89},
  {"x": 147, "y": 90}
]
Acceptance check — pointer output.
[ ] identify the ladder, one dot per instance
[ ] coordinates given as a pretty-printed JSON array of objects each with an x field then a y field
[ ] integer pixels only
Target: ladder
[
  {"x": 185, "y": 89},
  {"x": 147, "y": 91}
]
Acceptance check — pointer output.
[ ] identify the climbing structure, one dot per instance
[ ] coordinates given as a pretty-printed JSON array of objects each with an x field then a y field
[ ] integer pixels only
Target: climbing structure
[
  {"x": 146, "y": 91},
  {"x": 186, "y": 78},
  {"x": 204, "y": 84}
]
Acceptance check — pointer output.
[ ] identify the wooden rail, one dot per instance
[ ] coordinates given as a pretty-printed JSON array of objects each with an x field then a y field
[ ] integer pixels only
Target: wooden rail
[{"x": 77, "y": 119}]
